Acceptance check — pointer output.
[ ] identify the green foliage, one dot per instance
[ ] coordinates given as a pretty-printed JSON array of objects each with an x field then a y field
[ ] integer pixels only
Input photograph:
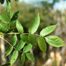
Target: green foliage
[
  {"x": 9, "y": 50},
  {"x": 20, "y": 45},
  {"x": 42, "y": 44},
  {"x": 47, "y": 30},
  {"x": 13, "y": 58},
  {"x": 14, "y": 40},
  {"x": 8, "y": 1},
  {"x": 54, "y": 41},
  {"x": 32, "y": 39},
  {"x": 30, "y": 57},
  {"x": 35, "y": 24},
  {"x": 14, "y": 16},
  {"x": 22, "y": 42},
  {"x": 4, "y": 27},
  {"x": 23, "y": 58},
  {"x": 4, "y": 16},
  {"x": 27, "y": 48},
  {"x": 24, "y": 37},
  {"x": 13, "y": 43},
  {"x": 19, "y": 27}
]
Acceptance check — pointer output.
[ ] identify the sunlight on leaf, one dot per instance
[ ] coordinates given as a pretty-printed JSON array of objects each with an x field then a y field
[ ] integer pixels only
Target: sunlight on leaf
[
  {"x": 54, "y": 41},
  {"x": 47, "y": 30},
  {"x": 35, "y": 24},
  {"x": 19, "y": 27},
  {"x": 14, "y": 40},
  {"x": 20, "y": 45},
  {"x": 27, "y": 48}
]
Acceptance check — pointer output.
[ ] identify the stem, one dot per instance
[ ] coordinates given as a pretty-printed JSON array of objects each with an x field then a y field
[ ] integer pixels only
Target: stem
[
  {"x": 7, "y": 42},
  {"x": 12, "y": 34},
  {"x": 23, "y": 34}
]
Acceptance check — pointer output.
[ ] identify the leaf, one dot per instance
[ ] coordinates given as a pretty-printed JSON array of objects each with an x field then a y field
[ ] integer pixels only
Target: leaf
[
  {"x": 27, "y": 48},
  {"x": 4, "y": 16},
  {"x": 24, "y": 37},
  {"x": 42, "y": 44},
  {"x": 14, "y": 16},
  {"x": 32, "y": 39},
  {"x": 28, "y": 38},
  {"x": 35, "y": 24},
  {"x": 8, "y": 7},
  {"x": 54, "y": 41},
  {"x": 20, "y": 45},
  {"x": 4, "y": 27},
  {"x": 30, "y": 57},
  {"x": 47, "y": 30},
  {"x": 22, "y": 59},
  {"x": 14, "y": 57},
  {"x": 9, "y": 50},
  {"x": 8, "y": 1},
  {"x": 19, "y": 27},
  {"x": 14, "y": 40}
]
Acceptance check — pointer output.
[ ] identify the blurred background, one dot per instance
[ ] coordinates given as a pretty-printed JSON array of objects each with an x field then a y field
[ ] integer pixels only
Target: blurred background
[{"x": 51, "y": 12}]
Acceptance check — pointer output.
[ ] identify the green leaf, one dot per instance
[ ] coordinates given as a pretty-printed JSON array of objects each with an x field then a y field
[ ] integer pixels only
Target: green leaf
[
  {"x": 22, "y": 59},
  {"x": 24, "y": 37},
  {"x": 47, "y": 30},
  {"x": 8, "y": 1},
  {"x": 32, "y": 39},
  {"x": 14, "y": 16},
  {"x": 9, "y": 50},
  {"x": 27, "y": 48},
  {"x": 8, "y": 7},
  {"x": 20, "y": 45},
  {"x": 35, "y": 24},
  {"x": 42, "y": 44},
  {"x": 14, "y": 40},
  {"x": 28, "y": 38},
  {"x": 4, "y": 27},
  {"x": 14, "y": 57},
  {"x": 19, "y": 27},
  {"x": 4, "y": 16},
  {"x": 54, "y": 41},
  {"x": 30, "y": 57}
]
